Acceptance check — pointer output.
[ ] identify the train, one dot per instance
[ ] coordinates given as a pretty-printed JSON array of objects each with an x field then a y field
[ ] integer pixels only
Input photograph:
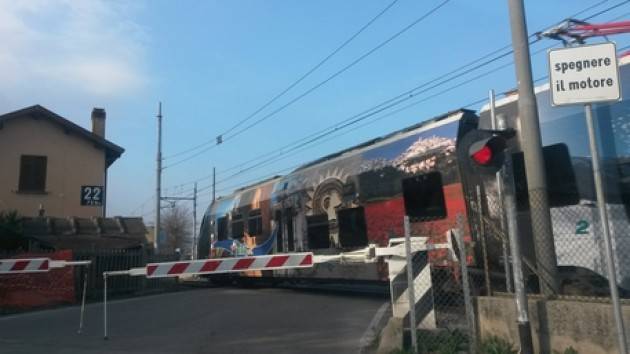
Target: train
[{"x": 360, "y": 195}]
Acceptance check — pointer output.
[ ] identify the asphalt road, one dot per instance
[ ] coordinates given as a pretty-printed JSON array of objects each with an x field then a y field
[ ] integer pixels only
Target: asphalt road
[{"x": 216, "y": 320}]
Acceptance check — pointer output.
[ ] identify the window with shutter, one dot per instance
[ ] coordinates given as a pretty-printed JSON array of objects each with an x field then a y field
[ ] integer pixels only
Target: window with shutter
[{"x": 32, "y": 173}]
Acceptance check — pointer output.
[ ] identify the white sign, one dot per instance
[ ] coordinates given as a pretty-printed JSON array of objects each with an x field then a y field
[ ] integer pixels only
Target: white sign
[{"x": 584, "y": 74}]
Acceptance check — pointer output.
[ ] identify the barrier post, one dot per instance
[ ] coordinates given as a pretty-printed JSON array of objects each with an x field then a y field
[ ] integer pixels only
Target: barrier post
[
  {"x": 85, "y": 279},
  {"x": 105, "y": 305}
]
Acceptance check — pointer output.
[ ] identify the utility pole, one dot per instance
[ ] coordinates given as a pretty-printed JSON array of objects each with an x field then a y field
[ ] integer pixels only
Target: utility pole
[
  {"x": 194, "y": 250},
  {"x": 158, "y": 189},
  {"x": 546, "y": 261}
]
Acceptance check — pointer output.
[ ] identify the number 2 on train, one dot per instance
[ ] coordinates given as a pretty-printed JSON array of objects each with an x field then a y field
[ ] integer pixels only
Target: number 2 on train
[{"x": 582, "y": 227}]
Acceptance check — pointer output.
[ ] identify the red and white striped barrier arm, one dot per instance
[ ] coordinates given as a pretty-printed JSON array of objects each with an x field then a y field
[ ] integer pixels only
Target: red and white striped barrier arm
[
  {"x": 227, "y": 265},
  {"x": 34, "y": 265}
]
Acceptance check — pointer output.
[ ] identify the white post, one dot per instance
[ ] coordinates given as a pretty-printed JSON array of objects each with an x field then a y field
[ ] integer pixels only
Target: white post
[
  {"x": 104, "y": 305},
  {"x": 85, "y": 278}
]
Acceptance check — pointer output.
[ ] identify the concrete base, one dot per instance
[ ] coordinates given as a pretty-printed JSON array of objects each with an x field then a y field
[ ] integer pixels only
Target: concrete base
[
  {"x": 588, "y": 327},
  {"x": 391, "y": 336}
]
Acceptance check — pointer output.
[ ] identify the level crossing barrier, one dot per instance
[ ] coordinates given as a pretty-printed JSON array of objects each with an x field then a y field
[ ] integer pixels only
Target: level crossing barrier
[
  {"x": 43, "y": 265},
  {"x": 395, "y": 253}
]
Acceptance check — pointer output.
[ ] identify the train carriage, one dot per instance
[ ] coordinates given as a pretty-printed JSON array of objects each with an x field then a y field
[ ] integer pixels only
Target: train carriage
[{"x": 347, "y": 200}]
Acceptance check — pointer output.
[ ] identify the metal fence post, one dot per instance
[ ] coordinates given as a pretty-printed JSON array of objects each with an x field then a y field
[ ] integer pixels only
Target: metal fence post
[
  {"x": 410, "y": 287},
  {"x": 484, "y": 248},
  {"x": 470, "y": 311}
]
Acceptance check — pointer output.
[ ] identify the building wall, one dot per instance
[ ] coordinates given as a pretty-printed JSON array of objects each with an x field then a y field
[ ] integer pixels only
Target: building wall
[{"x": 72, "y": 162}]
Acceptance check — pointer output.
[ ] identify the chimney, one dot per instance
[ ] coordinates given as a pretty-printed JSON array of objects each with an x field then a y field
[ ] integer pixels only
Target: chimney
[{"x": 98, "y": 122}]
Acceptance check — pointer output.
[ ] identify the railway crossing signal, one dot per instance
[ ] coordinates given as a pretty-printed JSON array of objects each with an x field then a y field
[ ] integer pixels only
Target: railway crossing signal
[{"x": 483, "y": 151}]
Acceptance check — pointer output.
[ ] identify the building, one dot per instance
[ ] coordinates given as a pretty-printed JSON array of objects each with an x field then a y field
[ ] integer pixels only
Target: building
[{"x": 51, "y": 166}]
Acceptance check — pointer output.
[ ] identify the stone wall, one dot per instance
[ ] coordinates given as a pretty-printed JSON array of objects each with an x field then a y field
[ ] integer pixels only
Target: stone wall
[{"x": 588, "y": 327}]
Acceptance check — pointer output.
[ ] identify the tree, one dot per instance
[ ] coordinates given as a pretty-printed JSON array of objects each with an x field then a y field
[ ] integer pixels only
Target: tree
[
  {"x": 177, "y": 229},
  {"x": 11, "y": 235}
]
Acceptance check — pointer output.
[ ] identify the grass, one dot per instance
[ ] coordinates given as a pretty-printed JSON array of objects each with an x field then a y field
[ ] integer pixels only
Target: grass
[{"x": 455, "y": 342}]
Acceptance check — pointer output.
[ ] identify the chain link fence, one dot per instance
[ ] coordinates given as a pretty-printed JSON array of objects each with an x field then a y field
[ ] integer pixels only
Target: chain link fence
[
  {"x": 573, "y": 264},
  {"x": 569, "y": 264}
]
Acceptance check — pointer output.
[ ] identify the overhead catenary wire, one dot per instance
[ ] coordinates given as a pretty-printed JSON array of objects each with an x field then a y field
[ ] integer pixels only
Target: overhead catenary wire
[
  {"x": 471, "y": 104},
  {"x": 318, "y": 85},
  {"x": 337, "y": 126},
  {"x": 426, "y": 83},
  {"x": 342, "y": 70},
  {"x": 294, "y": 83},
  {"x": 433, "y": 10},
  {"x": 297, "y": 149}
]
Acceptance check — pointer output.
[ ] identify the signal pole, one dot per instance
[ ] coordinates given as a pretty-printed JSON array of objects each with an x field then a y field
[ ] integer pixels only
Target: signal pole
[
  {"x": 546, "y": 261},
  {"x": 158, "y": 189}
]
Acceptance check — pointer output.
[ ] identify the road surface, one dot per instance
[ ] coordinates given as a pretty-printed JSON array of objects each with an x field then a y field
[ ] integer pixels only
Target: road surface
[{"x": 215, "y": 320}]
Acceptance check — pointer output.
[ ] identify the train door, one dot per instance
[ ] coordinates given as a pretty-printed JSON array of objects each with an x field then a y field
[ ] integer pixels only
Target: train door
[
  {"x": 288, "y": 217},
  {"x": 279, "y": 238}
]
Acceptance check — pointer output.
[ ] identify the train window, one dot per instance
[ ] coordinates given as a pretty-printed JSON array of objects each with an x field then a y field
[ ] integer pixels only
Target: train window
[
  {"x": 278, "y": 219},
  {"x": 424, "y": 196},
  {"x": 237, "y": 226},
  {"x": 318, "y": 231},
  {"x": 254, "y": 223},
  {"x": 561, "y": 182},
  {"x": 624, "y": 185},
  {"x": 221, "y": 228},
  {"x": 288, "y": 216},
  {"x": 352, "y": 229}
]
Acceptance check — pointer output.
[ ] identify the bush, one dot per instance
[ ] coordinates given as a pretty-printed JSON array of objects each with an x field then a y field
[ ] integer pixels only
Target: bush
[
  {"x": 438, "y": 342},
  {"x": 442, "y": 342},
  {"x": 496, "y": 345},
  {"x": 569, "y": 350}
]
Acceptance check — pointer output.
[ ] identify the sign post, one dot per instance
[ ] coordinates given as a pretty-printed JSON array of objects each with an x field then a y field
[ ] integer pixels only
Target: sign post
[{"x": 585, "y": 75}]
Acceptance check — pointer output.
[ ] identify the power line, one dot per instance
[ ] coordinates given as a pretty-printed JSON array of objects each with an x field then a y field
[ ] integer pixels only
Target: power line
[
  {"x": 296, "y": 82},
  {"x": 313, "y": 69},
  {"x": 409, "y": 94},
  {"x": 339, "y": 72},
  {"x": 269, "y": 175},
  {"x": 606, "y": 10},
  {"x": 320, "y": 84},
  {"x": 239, "y": 185}
]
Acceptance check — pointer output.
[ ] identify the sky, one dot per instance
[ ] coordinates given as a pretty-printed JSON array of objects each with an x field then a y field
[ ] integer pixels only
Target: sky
[{"x": 214, "y": 63}]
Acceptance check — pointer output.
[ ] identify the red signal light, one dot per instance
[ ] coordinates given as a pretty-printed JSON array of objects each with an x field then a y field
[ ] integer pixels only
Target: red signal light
[
  {"x": 483, "y": 151},
  {"x": 483, "y": 156}
]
